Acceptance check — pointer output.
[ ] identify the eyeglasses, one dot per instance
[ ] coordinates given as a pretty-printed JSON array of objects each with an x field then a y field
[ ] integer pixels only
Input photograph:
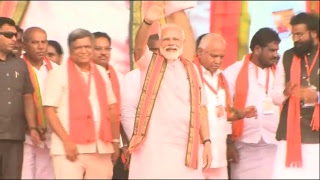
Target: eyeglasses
[
  {"x": 108, "y": 49},
  {"x": 9, "y": 35},
  {"x": 297, "y": 35}
]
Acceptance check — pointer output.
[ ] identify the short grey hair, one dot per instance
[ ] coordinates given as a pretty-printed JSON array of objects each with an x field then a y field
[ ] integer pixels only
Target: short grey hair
[
  {"x": 209, "y": 38},
  {"x": 169, "y": 26},
  {"x": 79, "y": 34}
]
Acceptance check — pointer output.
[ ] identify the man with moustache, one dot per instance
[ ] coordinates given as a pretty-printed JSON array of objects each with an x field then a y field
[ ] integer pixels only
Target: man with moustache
[
  {"x": 297, "y": 88},
  {"x": 37, "y": 160},
  {"x": 79, "y": 103},
  {"x": 17, "y": 111},
  {"x": 250, "y": 81},
  {"x": 102, "y": 54},
  {"x": 18, "y": 46},
  {"x": 210, "y": 54},
  {"x": 55, "y": 52},
  {"x": 171, "y": 113}
]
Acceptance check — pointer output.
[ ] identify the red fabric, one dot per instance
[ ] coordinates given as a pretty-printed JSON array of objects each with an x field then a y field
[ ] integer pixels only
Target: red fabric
[
  {"x": 220, "y": 13},
  {"x": 7, "y": 8},
  {"x": 312, "y": 7},
  {"x": 240, "y": 96},
  {"x": 294, "y": 154},
  {"x": 116, "y": 89},
  {"x": 82, "y": 126}
]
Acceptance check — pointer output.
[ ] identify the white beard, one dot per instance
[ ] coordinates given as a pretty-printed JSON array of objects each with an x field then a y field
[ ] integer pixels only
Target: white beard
[{"x": 171, "y": 55}]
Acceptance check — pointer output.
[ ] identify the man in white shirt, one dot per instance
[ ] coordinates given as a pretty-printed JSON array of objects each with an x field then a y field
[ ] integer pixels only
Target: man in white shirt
[
  {"x": 37, "y": 160},
  {"x": 250, "y": 82},
  {"x": 211, "y": 51},
  {"x": 79, "y": 104}
]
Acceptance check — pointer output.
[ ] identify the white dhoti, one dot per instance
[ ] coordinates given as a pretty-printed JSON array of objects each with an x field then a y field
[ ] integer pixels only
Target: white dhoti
[
  {"x": 310, "y": 163},
  {"x": 255, "y": 160},
  {"x": 37, "y": 163}
]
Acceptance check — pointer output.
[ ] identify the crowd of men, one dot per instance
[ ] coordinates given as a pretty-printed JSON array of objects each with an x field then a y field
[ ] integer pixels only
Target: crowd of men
[{"x": 177, "y": 115}]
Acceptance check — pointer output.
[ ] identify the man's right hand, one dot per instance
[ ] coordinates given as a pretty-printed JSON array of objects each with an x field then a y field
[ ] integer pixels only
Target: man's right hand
[
  {"x": 289, "y": 89},
  {"x": 71, "y": 150},
  {"x": 155, "y": 12},
  {"x": 250, "y": 111}
]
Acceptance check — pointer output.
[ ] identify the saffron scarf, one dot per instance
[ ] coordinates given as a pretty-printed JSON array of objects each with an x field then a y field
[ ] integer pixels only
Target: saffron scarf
[
  {"x": 294, "y": 154},
  {"x": 147, "y": 100},
  {"x": 241, "y": 94},
  {"x": 222, "y": 82},
  {"x": 116, "y": 89},
  {"x": 81, "y": 123},
  {"x": 41, "y": 120}
]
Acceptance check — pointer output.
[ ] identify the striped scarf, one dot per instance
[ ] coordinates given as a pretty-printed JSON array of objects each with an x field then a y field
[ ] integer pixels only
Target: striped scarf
[{"x": 42, "y": 122}]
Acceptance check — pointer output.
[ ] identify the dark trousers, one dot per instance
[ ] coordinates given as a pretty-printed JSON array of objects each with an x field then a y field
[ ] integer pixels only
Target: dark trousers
[
  {"x": 119, "y": 172},
  {"x": 11, "y": 158},
  {"x": 229, "y": 170}
]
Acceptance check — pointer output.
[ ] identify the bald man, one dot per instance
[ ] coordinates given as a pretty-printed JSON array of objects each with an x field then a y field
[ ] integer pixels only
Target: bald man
[
  {"x": 37, "y": 161},
  {"x": 210, "y": 54}
]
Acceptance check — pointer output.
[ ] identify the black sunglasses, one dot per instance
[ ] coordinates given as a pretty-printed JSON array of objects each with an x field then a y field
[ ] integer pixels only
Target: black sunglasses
[{"x": 9, "y": 35}]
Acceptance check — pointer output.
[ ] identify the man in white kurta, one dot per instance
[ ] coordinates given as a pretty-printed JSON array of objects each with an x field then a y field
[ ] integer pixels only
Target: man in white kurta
[
  {"x": 130, "y": 100},
  {"x": 92, "y": 160},
  {"x": 210, "y": 54},
  {"x": 257, "y": 144},
  {"x": 162, "y": 152},
  {"x": 165, "y": 145},
  {"x": 37, "y": 162}
]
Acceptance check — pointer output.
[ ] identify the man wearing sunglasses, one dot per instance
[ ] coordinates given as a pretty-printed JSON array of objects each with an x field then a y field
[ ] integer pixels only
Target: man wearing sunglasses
[{"x": 17, "y": 108}]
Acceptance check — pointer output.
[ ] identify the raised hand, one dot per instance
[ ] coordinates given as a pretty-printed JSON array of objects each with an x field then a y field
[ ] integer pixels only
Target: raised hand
[{"x": 155, "y": 12}]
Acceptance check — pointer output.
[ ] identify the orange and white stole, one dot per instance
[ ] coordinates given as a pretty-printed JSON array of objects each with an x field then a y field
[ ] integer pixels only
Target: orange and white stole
[
  {"x": 147, "y": 100},
  {"x": 241, "y": 93},
  {"x": 294, "y": 154},
  {"x": 42, "y": 122}
]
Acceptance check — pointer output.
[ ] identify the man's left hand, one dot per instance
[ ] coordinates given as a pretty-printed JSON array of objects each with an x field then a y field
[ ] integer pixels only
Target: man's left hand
[
  {"x": 207, "y": 155},
  {"x": 116, "y": 153},
  {"x": 35, "y": 137},
  {"x": 127, "y": 157}
]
